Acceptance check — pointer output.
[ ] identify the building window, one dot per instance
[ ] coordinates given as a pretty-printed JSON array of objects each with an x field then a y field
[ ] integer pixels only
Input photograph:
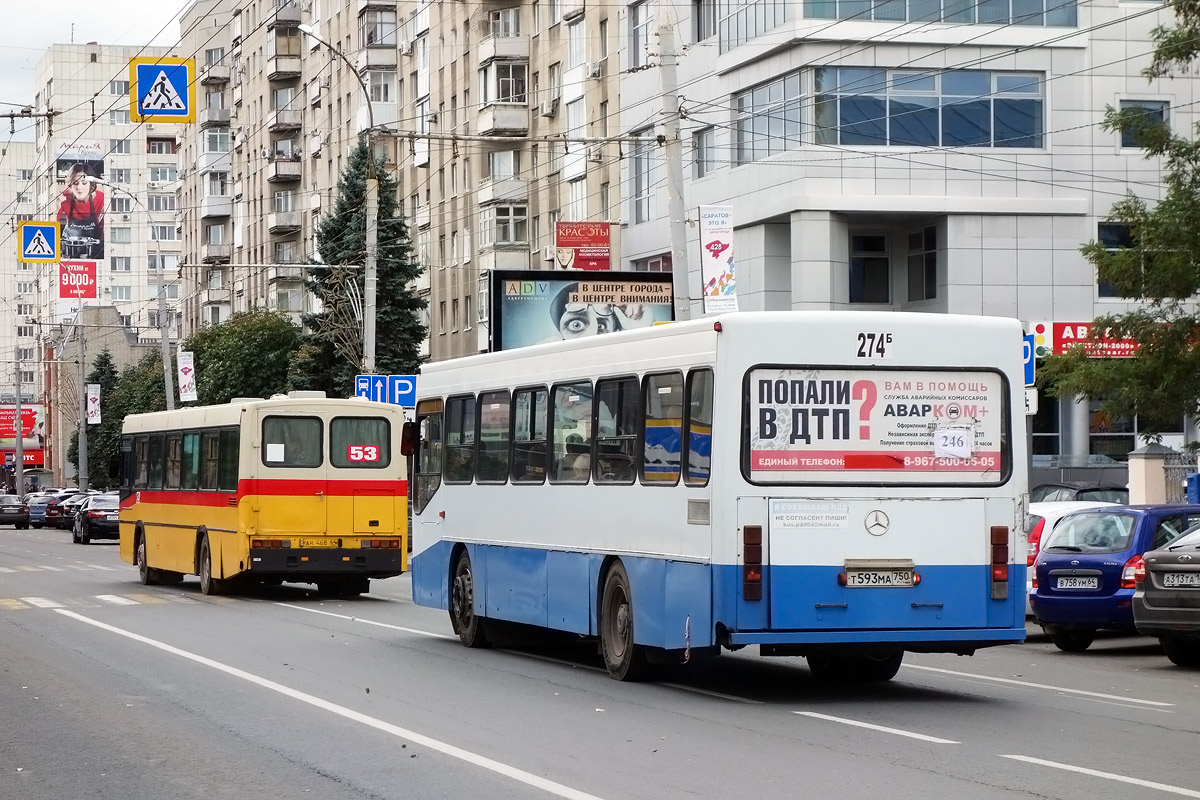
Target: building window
[
  {"x": 160, "y": 147},
  {"x": 120, "y": 175},
  {"x": 704, "y": 152},
  {"x": 118, "y": 117},
  {"x": 505, "y": 22},
  {"x": 164, "y": 174},
  {"x": 502, "y": 164},
  {"x": 739, "y": 21},
  {"x": 24, "y": 354},
  {"x": 25, "y": 331},
  {"x": 120, "y": 235},
  {"x": 1045, "y": 426},
  {"x": 1053, "y": 13},
  {"x": 25, "y": 174},
  {"x": 217, "y": 184},
  {"x": 214, "y": 100},
  {"x": 576, "y": 44},
  {"x": 454, "y": 314},
  {"x": 161, "y": 202},
  {"x": 704, "y": 19},
  {"x": 120, "y": 263},
  {"x": 127, "y": 320},
  {"x": 639, "y": 33},
  {"x": 286, "y": 42},
  {"x": 870, "y": 269},
  {"x": 216, "y": 140},
  {"x": 383, "y": 87},
  {"x": 24, "y": 309},
  {"x": 214, "y": 234},
  {"x": 659, "y": 263},
  {"x": 118, "y": 87},
  {"x": 504, "y": 82},
  {"x": 214, "y": 56},
  {"x": 577, "y": 200},
  {"x": 285, "y": 202},
  {"x": 119, "y": 147},
  {"x": 287, "y": 252},
  {"x": 643, "y": 175},
  {"x": 503, "y": 225},
  {"x": 26, "y": 287},
  {"x": 122, "y": 292},
  {"x": 1114, "y": 236},
  {"x": 922, "y": 264},
  {"x": 1110, "y": 435},
  {"x": 442, "y": 317},
  {"x": 377, "y": 28},
  {"x": 1154, "y": 112},
  {"x": 163, "y": 233},
  {"x": 767, "y": 119},
  {"x": 169, "y": 262},
  {"x": 911, "y": 108},
  {"x": 121, "y": 205},
  {"x": 24, "y": 197}
]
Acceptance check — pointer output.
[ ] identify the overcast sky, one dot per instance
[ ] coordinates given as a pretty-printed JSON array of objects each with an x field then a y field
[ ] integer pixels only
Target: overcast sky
[{"x": 31, "y": 26}]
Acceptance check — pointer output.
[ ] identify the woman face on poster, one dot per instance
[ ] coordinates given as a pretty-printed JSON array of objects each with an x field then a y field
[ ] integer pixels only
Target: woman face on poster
[{"x": 78, "y": 184}]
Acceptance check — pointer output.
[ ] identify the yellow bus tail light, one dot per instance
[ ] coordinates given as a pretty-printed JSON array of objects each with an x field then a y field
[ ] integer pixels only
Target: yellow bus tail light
[
  {"x": 387, "y": 543},
  {"x": 270, "y": 543}
]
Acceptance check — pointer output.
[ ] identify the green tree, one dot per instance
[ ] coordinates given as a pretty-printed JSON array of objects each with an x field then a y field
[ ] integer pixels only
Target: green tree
[
  {"x": 103, "y": 439},
  {"x": 332, "y": 351},
  {"x": 1161, "y": 267},
  {"x": 246, "y": 356}
]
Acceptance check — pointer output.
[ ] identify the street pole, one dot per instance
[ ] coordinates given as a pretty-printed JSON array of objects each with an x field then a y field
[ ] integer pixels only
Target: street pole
[
  {"x": 19, "y": 433},
  {"x": 163, "y": 334},
  {"x": 680, "y": 274},
  {"x": 82, "y": 478}
]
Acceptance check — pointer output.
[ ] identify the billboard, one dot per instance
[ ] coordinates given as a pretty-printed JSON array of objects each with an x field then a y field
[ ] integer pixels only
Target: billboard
[
  {"x": 1060, "y": 337},
  {"x": 81, "y": 206},
  {"x": 581, "y": 245},
  {"x": 717, "y": 259},
  {"x": 33, "y": 425},
  {"x": 536, "y": 307},
  {"x": 78, "y": 280}
]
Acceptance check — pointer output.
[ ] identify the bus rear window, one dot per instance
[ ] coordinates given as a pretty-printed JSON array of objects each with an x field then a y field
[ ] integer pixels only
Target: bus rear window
[
  {"x": 853, "y": 426},
  {"x": 291, "y": 442},
  {"x": 360, "y": 442}
]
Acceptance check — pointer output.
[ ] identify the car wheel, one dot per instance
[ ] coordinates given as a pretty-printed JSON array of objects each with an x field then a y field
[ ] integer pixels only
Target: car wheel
[
  {"x": 1182, "y": 652},
  {"x": 74, "y": 536},
  {"x": 36, "y": 526},
  {"x": 1073, "y": 641},
  {"x": 85, "y": 536}
]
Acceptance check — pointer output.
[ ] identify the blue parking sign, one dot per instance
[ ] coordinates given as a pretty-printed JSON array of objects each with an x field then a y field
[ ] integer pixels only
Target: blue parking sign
[{"x": 1030, "y": 361}]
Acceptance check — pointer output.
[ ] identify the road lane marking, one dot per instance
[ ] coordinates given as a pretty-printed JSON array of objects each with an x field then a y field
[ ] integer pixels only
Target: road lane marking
[
  {"x": 1030, "y": 685},
  {"x": 500, "y": 768},
  {"x": 367, "y": 621},
  {"x": 41, "y": 602},
  {"x": 30, "y": 569},
  {"x": 7, "y": 569},
  {"x": 116, "y": 600},
  {"x": 148, "y": 599},
  {"x": 711, "y": 693},
  {"x": 1112, "y": 776},
  {"x": 880, "y": 728},
  {"x": 52, "y": 569}
]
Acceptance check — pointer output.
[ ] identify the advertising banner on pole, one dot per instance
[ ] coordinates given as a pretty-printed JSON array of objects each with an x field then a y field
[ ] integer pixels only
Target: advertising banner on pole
[
  {"x": 32, "y": 426},
  {"x": 717, "y": 259},
  {"x": 93, "y": 404},
  {"x": 581, "y": 245},
  {"x": 186, "y": 366},
  {"x": 78, "y": 280}
]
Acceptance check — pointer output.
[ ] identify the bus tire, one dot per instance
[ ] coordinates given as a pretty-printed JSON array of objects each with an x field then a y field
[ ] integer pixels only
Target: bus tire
[
  {"x": 878, "y": 668},
  {"x": 826, "y": 667},
  {"x": 146, "y": 575},
  {"x": 624, "y": 660},
  {"x": 468, "y": 626},
  {"x": 208, "y": 584}
]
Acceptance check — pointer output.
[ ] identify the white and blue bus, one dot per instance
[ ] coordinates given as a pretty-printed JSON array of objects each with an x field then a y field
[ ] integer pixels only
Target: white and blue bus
[{"x": 844, "y": 486}]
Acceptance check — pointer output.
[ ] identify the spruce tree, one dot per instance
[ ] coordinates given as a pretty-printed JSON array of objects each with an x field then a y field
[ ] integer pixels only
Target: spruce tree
[
  {"x": 331, "y": 354},
  {"x": 104, "y": 438}
]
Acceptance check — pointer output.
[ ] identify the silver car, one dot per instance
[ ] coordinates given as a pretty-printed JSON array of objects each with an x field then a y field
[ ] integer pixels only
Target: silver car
[{"x": 1166, "y": 602}]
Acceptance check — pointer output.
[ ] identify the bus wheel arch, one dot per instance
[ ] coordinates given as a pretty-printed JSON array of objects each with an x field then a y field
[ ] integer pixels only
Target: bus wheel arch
[
  {"x": 624, "y": 659},
  {"x": 468, "y": 626},
  {"x": 146, "y": 575},
  {"x": 209, "y": 583}
]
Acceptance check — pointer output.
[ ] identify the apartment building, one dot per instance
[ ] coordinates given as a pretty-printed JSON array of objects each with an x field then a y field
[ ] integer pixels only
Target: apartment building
[{"x": 887, "y": 155}]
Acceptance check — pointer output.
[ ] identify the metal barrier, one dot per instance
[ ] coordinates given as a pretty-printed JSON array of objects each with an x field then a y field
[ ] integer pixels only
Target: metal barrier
[{"x": 1176, "y": 468}]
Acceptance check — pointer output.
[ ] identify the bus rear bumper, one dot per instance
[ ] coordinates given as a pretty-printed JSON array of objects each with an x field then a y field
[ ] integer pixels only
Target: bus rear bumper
[
  {"x": 365, "y": 562},
  {"x": 933, "y": 641}
]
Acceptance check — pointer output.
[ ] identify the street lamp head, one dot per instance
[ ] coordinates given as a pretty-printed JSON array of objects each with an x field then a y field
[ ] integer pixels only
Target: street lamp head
[{"x": 307, "y": 30}]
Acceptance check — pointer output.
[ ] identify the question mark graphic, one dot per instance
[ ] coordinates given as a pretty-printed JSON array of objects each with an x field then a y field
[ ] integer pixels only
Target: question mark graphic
[{"x": 865, "y": 391}]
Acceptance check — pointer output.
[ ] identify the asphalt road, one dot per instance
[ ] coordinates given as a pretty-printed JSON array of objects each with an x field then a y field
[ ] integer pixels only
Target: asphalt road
[{"x": 109, "y": 689}]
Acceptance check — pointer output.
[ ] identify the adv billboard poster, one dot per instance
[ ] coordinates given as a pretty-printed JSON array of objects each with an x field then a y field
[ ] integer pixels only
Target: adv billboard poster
[{"x": 536, "y": 306}]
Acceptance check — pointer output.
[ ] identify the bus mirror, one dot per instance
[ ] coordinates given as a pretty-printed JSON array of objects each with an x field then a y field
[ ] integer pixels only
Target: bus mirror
[{"x": 408, "y": 439}]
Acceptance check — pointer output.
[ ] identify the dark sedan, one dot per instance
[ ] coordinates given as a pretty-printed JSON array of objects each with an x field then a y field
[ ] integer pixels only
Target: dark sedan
[
  {"x": 96, "y": 519},
  {"x": 1166, "y": 602},
  {"x": 69, "y": 505},
  {"x": 13, "y": 511}
]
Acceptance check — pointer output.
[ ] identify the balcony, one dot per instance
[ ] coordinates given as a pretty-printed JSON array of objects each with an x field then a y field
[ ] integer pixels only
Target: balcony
[
  {"x": 514, "y": 256},
  {"x": 283, "y": 274},
  {"x": 377, "y": 58},
  {"x": 504, "y": 118},
  {"x": 213, "y": 116},
  {"x": 217, "y": 296},
  {"x": 421, "y": 219},
  {"x": 287, "y": 15},
  {"x": 281, "y": 68},
  {"x": 366, "y": 5},
  {"x": 507, "y": 47},
  {"x": 216, "y": 205},
  {"x": 284, "y": 221},
  {"x": 281, "y": 169},
  {"x": 215, "y": 74},
  {"x": 285, "y": 119},
  {"x": 213, "y": 162},
  {"x": 507, "y": 188},
  {"x": 216, "y": 253},
  {"x": 572, "y": 9},
  {"x": 237, "y": 95}
]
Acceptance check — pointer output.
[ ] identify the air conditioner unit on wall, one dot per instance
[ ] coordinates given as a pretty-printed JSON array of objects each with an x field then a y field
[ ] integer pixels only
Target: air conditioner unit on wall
[
  {"x": 595, "y": 154},
  {"x": 406, "y": 48},
  {"x": 550, "y": 107},
  {"x": 595, "y": 69}
]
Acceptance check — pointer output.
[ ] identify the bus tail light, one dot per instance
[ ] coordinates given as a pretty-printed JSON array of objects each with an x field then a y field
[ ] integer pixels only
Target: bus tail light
[
  {"x": 1133, "y": 573},
  {"x": 1035, "y": 541},
  {"x": 999, "y": 545},
  {"x": 752, "y": 562},
  {"x": 382, "y": 543},
  {"x": 270, "y": 544}
]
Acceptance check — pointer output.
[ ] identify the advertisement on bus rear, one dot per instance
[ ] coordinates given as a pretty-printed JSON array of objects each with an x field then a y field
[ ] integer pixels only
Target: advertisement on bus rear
[
  {"x": 827, "y": 425},
  {"x": 536, "y": 307}
]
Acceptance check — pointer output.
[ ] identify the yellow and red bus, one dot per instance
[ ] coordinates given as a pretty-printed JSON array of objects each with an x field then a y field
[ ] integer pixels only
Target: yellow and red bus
[{"x": 298, "y": 488}]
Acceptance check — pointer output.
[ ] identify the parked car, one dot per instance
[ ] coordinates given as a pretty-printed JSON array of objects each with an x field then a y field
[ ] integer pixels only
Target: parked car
[
  {"x": 96, "y": 519},
  {"x": 1085, "y": 568},
  {"x": 1041, "y": 520},
  {"x": 39, "y": 505},
  {"x": 1166, "y": 602},
  {"x": 1079, "y": 490},
  {"x": 13, "y": 512},
  {"x": 70, "y": 505}
]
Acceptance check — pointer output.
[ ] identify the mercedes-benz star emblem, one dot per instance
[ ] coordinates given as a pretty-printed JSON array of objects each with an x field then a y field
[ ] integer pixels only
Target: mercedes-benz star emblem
[{"x": 877, "y": 523}]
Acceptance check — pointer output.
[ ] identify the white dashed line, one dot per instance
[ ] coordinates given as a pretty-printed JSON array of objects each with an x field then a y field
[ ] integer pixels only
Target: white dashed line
[
  {"x": 881, "y": 728},
  {"x": 1030, "y": 685},
  {"x": 1112, "y": 776},
  {"x": 41, "y": 602},
  {"x": 116, "y": 600},
  {"x": 367, "y": 621}
]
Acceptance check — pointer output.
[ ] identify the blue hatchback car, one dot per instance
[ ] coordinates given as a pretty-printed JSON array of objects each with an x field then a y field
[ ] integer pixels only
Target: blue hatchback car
[{"x": 1085, "y": 572}]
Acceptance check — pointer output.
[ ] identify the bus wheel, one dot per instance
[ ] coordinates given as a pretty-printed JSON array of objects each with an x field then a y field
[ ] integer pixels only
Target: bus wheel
[
  {"x": 878, "y": 668},
  {"x": 826, "y": 666},
  {"x": 625, "y": 660},
  {"x": 208, "y": 584},
  {"x": 146, "y": 575},
  {"x": 466, "y": 624}
]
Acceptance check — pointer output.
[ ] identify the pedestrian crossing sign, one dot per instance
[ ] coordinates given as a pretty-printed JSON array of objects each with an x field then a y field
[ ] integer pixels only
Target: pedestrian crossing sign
[
  {"x": 39, "y": 242},
  {"x": 162, "y": 89}
]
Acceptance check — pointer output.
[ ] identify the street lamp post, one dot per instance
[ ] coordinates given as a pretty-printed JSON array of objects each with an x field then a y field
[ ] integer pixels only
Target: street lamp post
[
  {"x": 371, "y": 209},
  {"x": 18, "y": 430}
]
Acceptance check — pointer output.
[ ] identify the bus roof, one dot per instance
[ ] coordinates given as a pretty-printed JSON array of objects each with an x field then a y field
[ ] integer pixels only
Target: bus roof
[{"x": 230, "y": 413}]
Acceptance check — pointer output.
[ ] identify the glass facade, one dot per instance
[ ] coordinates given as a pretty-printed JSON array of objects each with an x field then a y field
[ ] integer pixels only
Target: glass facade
[{"x": 1053, "y": 13}]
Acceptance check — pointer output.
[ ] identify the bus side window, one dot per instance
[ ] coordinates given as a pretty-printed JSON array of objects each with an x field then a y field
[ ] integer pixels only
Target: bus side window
[
  {"x": 664, "y": 419},
  {"x": 460, "y": 439},
  {"x": 571, "y": 423},
  {"x": 191, "y": 461},
  {"x": 494, "y": 431},
  {"x": 228, "y": 460},
  {"x": 529, "y": 436},
  {"x": 174, "y": 461},
  {"x": 429, "y": 456},
  {"x": 618, "y": 423},
  {"x": 208, "y": 463},
  {"x": 126, "y": 464},
  {"x": 141, "y": 462},
  {"x": 156, "y": 460},
  {"x": 699, "y": 427}
]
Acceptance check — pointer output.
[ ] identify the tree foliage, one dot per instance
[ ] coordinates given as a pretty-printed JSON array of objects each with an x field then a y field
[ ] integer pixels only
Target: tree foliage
[
  {"x": 139, "y": 388},
  {"x": 332, "y": 352},
  {"x": 1161, "y": 383},
  {"x": 246, "y": 356}
]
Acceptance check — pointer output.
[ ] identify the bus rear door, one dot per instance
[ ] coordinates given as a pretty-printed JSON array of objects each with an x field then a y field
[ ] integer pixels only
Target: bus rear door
[{"x": 293, "y": 477}]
